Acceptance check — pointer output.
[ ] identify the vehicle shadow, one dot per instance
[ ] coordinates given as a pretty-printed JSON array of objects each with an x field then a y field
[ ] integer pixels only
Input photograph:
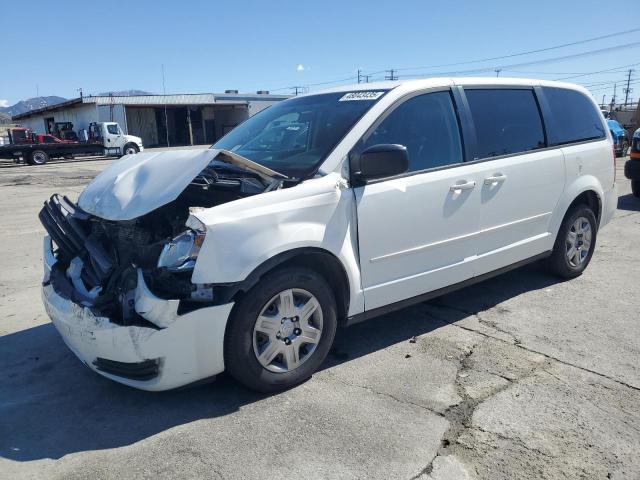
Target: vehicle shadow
[
  {"x": 629, "y": 202},
  {"x": 51, "y": 405}
]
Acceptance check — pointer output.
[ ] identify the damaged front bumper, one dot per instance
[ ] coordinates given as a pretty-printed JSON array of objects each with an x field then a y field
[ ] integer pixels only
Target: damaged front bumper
[{"x": 184, "y": 348}]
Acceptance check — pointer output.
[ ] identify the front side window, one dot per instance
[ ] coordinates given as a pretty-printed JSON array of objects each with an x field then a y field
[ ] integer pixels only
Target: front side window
[
  {"x": 295, "y": 136},
  {"x": 427, "y": 126},
  {"x": 112, "y": 129},
  {"x": 575, "y": 117},
  {"x": 507, "y": 121}
]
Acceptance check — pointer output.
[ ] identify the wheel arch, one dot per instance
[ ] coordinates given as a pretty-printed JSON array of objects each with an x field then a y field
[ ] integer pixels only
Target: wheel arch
[
  {"x": 590, "y": 198},
  {"x": 320, "y": 260},
  {"x": 130, "y": 144},
  {"x": 587, "y": 190}
]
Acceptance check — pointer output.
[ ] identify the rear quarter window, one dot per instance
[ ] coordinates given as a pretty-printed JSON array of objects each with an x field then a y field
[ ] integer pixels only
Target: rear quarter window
[{"x": 574, "y": 117}]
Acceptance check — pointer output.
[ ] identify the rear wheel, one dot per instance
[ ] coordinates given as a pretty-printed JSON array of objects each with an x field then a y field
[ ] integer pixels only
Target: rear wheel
[
  {"x": 635, "y": 188},
  {"x": 281, "y": 331},
  {"x": 38, "y": 157},
  {"x": 575, "y": 242}
]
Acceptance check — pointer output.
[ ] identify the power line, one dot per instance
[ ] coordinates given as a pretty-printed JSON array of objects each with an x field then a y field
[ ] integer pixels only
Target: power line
[
  {"x": 599, "y": 71},
  {"x": 529, "y": 52},
  {"x": 636, "y": 82},
  {"x": 392, "y": 75},
  {"x": 392, "y": 72},
  {"x": 535, "y": 62},
  {"x": 316, "y": 84}
]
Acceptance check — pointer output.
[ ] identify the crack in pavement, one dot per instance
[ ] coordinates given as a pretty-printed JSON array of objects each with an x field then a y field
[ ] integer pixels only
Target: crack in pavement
[
  {"x": 518, "y": 343},
  {"x": 388, "y": 395},
  {"x": 460, "y": 415}
]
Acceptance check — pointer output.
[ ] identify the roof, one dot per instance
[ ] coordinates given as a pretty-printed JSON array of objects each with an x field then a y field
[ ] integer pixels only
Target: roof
[
  {"x": 161, "y": 100},
  {"x": 417, "y": 84}
]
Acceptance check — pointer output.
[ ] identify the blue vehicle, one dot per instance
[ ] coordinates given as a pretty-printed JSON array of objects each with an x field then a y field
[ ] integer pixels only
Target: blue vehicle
[{"x": 620, "y": 137}]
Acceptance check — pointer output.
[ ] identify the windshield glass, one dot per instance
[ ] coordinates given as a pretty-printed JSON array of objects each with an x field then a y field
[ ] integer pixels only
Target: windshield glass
[{"x": 293, "y": 137}]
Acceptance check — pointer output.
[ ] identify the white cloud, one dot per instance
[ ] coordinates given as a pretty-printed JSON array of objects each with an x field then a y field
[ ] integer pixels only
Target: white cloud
[
  {"x": 300, "y": 68},
  {"x": 4, "y": 103}
]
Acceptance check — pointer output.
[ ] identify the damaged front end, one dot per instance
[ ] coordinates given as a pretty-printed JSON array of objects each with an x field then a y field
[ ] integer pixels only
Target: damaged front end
[{"x": 120, "y": 291}]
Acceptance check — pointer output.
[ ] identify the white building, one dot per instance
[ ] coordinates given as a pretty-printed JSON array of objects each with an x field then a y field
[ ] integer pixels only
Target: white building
[{"x": 189, "y": 119}]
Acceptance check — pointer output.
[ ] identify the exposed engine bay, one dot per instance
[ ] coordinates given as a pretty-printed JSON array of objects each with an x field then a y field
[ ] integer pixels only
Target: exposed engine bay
[{"x": 98, "y": 260}]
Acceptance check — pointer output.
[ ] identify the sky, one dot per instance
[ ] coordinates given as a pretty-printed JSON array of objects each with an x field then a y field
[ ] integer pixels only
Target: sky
[{"x": 209, "y": 46}]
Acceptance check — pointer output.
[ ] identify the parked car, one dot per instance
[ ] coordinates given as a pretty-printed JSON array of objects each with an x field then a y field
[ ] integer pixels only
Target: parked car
[
  {"x": 620, "y": 137},
  {"x": 632, "y": 167},
  {"x": 246, "y": 257}
]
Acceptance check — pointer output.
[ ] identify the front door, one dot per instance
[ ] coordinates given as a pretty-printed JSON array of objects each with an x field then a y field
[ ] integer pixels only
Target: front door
[
  {"x": 113, "y": 136},
  {"x": 415, "y": 232}
]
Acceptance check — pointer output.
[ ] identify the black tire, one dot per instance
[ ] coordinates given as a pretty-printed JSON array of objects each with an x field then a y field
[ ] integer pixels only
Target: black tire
[
  {"x": 558, "y": 263},
  {"x": 635, "y": 188},
  {"x": 240, "y": 359},
  {"x": 130, "y": 149},
  {"x": 38, "y": 157}
]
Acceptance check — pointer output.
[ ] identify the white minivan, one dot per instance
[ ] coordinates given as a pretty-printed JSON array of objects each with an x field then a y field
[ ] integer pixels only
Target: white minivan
[{"x": 321, "y": 211}]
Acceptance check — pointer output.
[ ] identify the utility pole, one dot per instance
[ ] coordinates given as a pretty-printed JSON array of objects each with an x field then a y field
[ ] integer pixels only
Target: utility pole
[
  {"x": 613, "y": 98},
  {"x": 498, "y": 70},
  {"x": 628, "y": 90},
  {"x": 392, "y": 75},
  {"x": 359, "y": 75},
  {"x": 603, "y": 96},
  {"x": 297, "y": 90},
  {"x": 366, "y": 78},
  {"x": 164, "y": 99}
]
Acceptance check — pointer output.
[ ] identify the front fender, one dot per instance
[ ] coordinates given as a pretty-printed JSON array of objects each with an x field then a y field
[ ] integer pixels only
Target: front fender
[{"x": 242, "y": 235}]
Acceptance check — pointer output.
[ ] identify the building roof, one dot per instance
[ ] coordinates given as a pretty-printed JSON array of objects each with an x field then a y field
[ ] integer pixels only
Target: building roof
[{"x": 160, "y": 100}]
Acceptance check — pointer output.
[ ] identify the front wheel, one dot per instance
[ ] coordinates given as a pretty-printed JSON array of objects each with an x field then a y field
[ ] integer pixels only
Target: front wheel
[
  {"x": 575, "y": 242},
  {"x": 281, "y": 331},
  {"x": 130, "y": 149}
]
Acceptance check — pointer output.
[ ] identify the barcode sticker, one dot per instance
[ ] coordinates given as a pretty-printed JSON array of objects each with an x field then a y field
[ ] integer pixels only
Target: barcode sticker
[{"x": 365, "y": 95}]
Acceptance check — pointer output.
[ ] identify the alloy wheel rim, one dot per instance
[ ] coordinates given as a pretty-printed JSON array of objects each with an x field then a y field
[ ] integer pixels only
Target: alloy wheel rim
[
  {"x": 578, "y": 241},
  {"x": 287, "y": 330},
  {"x": 38, "y": 158}
]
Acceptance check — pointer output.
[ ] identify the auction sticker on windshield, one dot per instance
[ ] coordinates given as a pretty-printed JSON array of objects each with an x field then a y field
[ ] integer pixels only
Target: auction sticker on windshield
[{"x": 351, "y": 96}]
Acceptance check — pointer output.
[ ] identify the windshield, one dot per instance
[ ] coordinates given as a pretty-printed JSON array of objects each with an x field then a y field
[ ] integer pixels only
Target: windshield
[{"x": 294, "y": 137}]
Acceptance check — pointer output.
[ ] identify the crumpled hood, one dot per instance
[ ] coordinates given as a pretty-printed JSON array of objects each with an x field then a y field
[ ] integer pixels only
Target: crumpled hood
[{"x": 138, "y": 184}]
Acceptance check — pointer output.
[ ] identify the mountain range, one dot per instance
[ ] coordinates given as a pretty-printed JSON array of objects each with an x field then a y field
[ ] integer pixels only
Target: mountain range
[
  {"x": 39, "y": 102},
  {"x": 31, "y": 104}
]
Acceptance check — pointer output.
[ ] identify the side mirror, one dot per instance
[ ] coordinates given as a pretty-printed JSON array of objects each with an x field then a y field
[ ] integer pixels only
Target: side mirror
[{"x": 378, "y": 161}]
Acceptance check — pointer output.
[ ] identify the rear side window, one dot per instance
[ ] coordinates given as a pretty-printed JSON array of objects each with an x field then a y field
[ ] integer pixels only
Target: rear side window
[
  {"x": 507, "y": 121},
  {"x": 575, "y": 118},
  {"x": 427, "y": 126}
]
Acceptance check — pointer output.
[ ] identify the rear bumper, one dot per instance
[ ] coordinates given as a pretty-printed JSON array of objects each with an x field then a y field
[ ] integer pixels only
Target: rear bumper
[{"x": 188, "y": 349}]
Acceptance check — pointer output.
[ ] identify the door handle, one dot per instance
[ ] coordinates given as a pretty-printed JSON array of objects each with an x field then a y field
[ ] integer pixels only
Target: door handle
[
  {"x": 498, "y": 178},
  {"x": 459, "y": 187}
]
